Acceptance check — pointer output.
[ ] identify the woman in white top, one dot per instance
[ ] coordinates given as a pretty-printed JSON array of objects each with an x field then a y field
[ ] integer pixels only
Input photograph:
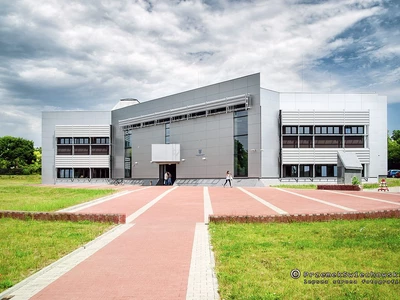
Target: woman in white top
[{"x": 228, "y": 178}]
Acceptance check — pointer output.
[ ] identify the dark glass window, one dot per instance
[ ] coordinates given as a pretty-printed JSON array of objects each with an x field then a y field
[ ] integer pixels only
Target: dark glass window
[
  {"x": 82, "y": 173},
  {"x": 306, "y": 171},
  {"x": 354, "y": 142},
  {"x": 100, "y": 173},
  {"x": 81, "y": 150},
  {"x": 128, "y": 154},
  {"x": 100, "y": 150},
  {"x": 290, "y": 170},
  {"x": 64, "y": 173},
  {"x": 306, "y": 142},
  {"x": 325, "y": 170},
  {"x": 240, "y": 123},
  {"x": 360, "y": 130},
  {"x": 289, "y": 142},
  {"x": 328, "y": 142},
  {"x": 64, "y": 150}
]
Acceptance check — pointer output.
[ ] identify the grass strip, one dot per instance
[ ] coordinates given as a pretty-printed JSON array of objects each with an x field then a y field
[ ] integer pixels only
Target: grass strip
[
  {"x": 35, "y": 198},
  {"x": 28, "y": 246},
  {"x": 254, "y": 261}
]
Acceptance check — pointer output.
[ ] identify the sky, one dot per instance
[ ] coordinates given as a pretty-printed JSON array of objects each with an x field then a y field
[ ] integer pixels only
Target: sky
[{"x": 86, "y": 55}]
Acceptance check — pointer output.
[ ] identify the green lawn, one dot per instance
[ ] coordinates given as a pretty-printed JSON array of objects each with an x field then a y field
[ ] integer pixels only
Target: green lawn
[
  {"x": 254, "y": 261},
  {"x": 28, "y": 246},
  {"x": 21, "y": 193}
]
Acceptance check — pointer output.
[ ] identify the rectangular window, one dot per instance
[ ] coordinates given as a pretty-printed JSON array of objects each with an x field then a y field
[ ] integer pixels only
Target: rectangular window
[
  {"x": 100, "y": 150},
  {"x": 328, "y": 142},
  {"x": 306, "y": 171},
  {"x": 82, "y": 173},
  {"x": 290, "y": 142},
  {"x": 306, "y": 142},
  {"x": 240, "y": 123},
  {"x": 64, "y": 150},
  {"x": 360, "y": 130},
  {"x": 290, "y": 170},
  {"x": 354, "y": 142},
  {"x": 64, "y": 140},
  {"x": 167, "y": 133},
  {"x": 323, "y": 130},
  {"x": 318, "y": 130},
  {"x": 64, "y": 173},
  {"x": 100, "y": 173},
  {"x": 81, "y": 150},
  {"x": 330, "y": 130},
  {"x": 325, "y": 170},
  {"x": 336, "y": 130}
]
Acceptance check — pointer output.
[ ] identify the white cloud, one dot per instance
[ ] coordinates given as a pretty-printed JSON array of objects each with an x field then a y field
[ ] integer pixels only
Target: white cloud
[{"x": 88, "y": 55}]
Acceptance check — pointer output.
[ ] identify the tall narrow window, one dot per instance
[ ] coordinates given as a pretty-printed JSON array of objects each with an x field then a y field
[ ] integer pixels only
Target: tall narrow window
[
  {"x": 167, "y": 133},
  {"x": 240, "y": 126},
  {"x": 128, "y": 154}
]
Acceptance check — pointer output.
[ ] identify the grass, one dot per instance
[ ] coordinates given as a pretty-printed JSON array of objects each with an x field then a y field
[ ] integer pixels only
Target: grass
[
  {"x": 254, "y": 261},
  {"x": 391, "y": 182},
  {"x": 28, "y": 246},
  {"x": 19, "y": 193}
]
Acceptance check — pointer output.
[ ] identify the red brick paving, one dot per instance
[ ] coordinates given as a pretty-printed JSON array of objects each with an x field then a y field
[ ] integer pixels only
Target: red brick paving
[
  {"x": 149, "y": 261},
  {"x": 293, "y": 204},
  {"x": 232, "y": 201}
]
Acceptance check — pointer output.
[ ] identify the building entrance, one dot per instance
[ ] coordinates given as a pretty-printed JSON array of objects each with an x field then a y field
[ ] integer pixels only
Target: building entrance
[{"x": 171, "y": 168}]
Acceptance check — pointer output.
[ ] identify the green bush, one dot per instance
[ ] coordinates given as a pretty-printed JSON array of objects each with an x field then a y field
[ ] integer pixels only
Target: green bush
[{"x": 355, "y": 180}]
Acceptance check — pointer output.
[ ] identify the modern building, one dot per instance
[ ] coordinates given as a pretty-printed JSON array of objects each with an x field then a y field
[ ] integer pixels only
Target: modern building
[{"x": 234, "y": 125}]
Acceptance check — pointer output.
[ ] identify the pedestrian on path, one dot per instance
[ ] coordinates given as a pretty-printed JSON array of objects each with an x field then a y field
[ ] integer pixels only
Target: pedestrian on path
[
  {"x": 169, "y": 181},
  {"x": 228, "y": 178}
]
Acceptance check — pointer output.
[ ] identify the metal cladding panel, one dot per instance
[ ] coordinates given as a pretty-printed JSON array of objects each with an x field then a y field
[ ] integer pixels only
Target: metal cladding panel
[
  {"x": 82, "y": 131},
  {"x": 320, "y": 156},
  {"x": 325, "y": 117},
  {"x": 82, "y": 161}
]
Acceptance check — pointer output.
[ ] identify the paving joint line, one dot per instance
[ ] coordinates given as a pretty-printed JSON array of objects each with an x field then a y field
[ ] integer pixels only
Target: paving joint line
[
  {"x": 266, "y": 203},
  {"x": 208, "y": 210},
  {"x": 144, "y": 208},
  {"x": 318, "y": 200},
  {"x": 363, "y": 197},
  {"x": 41, "y": 279}
]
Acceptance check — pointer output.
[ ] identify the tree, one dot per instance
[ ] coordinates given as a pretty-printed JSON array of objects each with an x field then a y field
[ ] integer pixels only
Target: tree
[
  {"x": 16, "y": 153},
  {"x": 394, "y": 150}
]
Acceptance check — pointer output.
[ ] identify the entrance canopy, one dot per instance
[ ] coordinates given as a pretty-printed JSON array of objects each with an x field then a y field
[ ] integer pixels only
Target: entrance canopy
[{"x": 166, "y": 153}]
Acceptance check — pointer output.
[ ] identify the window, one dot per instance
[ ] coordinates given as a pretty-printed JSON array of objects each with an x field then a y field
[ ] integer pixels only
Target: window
[
  {"x": 290, "y": 129},
  {"x": 81, "y": 141},
  {"x": 328, "y": 142},
  {"x": 290, "y": 170},
  {"x": 64, "y": 150},
  {"x": 240, "y": 126},
  {"x": 289, "y": 142},
  {"x": 306, "y": 171},
  {"x": 354, "y": 129},
  {"x": 167, "y": 133},
  {"x": 81, "y": 150},
  {"x": 100, "y": 140},
  {"x": 306, "y": 142},
  {"x": 100, "y": 150},
  {"x": 354, "y": 142},
  {"x": 100, "y": 173},
  {"x": 305, "y": 130},
  {"x": 325, "y": 170},
  {"x": 82, "y": 173},
  {"x": 64, "y": 173},
  {"x": 64, "y": 140},
  {"x": 128, "y": 154}
]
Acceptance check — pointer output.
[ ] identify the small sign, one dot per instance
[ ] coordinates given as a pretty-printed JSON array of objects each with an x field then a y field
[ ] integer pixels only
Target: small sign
[{"x": 200, "y": 153}]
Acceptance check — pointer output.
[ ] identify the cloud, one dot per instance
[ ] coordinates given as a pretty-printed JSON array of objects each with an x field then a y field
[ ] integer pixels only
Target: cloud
[{"x": 87, "y": 55}]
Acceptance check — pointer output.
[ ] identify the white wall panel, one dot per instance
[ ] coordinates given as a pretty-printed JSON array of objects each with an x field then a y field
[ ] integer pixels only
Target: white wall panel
[
  {"x": 320, "y": 156},
  {"x": 82, "y": 131},
  {"x": 325, "y": 118},
  {"x": 82, "y": 161}
]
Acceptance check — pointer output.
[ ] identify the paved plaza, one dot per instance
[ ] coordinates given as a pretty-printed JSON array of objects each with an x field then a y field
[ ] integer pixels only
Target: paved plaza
[{"x": 163, "y": 250}]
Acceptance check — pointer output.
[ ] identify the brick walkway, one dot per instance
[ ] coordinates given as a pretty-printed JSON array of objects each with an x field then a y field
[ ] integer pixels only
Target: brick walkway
[{"x": 163, "y": 253}]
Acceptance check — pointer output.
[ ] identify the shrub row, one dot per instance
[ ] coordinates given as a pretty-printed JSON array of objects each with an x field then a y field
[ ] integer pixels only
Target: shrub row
[
  {"x": 322, "y": 217},
  {"x": 339, "y": 187},
  {"x": 55, "y": 216}
]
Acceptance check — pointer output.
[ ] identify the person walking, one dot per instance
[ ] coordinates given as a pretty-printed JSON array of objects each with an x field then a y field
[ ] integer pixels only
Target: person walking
[
  {"x": 166, "y": 178},
  {"x": 228, "y": 178},
  {"x": 169, "y": 181}
]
